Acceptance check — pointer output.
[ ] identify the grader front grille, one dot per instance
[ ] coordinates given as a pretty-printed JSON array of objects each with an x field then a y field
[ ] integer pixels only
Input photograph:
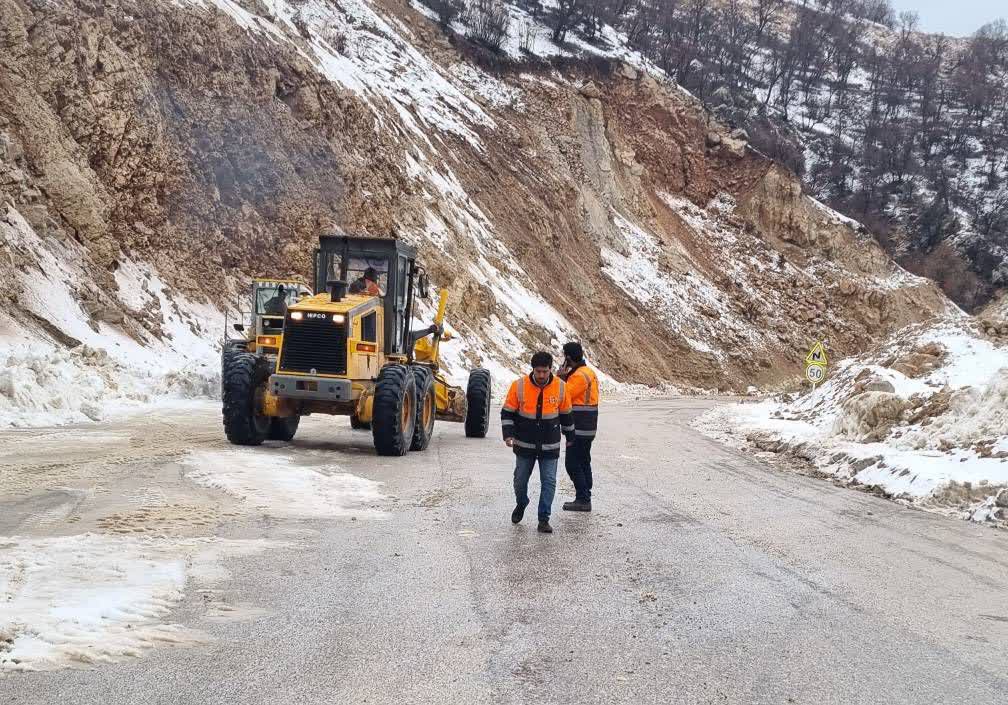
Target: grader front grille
[{"x": 314, "y": 346}]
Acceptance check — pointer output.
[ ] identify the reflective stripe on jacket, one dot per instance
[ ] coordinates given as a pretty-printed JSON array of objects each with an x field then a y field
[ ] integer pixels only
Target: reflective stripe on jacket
[
  {"x": 537, "y": 417},
  {"x": 583, "y": 388}
]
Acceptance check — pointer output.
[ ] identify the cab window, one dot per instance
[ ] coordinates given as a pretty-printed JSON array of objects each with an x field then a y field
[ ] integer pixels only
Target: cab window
[
  {"x": 369, "y": 328},
  {"x": 269, "y": 300},
  {"x": 357, "y": 266}
]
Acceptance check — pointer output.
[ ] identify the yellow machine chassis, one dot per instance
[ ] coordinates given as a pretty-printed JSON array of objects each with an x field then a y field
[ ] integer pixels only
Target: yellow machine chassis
[{"x": 450, "y": 401}]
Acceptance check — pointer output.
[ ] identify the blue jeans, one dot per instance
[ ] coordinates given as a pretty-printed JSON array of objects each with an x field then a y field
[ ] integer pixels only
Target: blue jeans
[{"x": 547, "y": 481}]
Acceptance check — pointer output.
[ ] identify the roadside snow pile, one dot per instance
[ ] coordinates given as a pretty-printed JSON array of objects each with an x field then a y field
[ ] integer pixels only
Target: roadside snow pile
[
  {"x": 74, "y": 601},
  {"x": 89, "y": 361},
  {"x": 923, "y": 420},
  {"x": 272, "y": 483},
  {"x": 56, "y": 386}
]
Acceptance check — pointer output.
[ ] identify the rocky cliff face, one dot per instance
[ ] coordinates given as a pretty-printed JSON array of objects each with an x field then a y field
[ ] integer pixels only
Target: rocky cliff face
[{"x": 203, "y": 142}]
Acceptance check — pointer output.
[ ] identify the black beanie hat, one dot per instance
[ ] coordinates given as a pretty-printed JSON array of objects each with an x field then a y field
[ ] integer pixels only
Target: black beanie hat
[{"x": 574, "y": 351}]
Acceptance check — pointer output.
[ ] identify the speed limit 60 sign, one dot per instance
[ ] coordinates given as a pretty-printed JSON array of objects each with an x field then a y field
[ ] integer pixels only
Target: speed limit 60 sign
[{"x": 815, "y": 373}]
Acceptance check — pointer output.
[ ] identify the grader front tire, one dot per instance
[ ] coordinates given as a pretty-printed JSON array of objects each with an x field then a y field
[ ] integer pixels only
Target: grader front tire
[
  {"x": 244, "y": 375},
  {"x": 477, "y": 420}
]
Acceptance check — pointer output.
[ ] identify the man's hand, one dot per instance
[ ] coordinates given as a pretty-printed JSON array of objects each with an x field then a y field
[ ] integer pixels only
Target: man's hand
[{"x": 509, "y": 442}]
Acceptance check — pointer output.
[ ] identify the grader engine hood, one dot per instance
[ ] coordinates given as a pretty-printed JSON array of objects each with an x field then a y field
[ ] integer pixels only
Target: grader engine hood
[
  {"x": 319, "y": 334},
  {"x": 322, "y": 303}
]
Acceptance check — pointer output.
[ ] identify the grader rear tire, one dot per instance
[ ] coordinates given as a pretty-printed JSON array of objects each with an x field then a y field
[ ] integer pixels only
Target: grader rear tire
[
  {"x": 393, "y": 419},
  {"x": 426, "y": 408},
  {"x": 243, "y": 378},
  {"x": 477, "y": 420},
  {"x": 283, "y": 429}
]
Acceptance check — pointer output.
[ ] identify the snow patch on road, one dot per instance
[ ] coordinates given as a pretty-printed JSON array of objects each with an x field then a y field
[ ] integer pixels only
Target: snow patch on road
[
  {"x": 77, "y": 601},
  {"x": 275, "y": 484}
]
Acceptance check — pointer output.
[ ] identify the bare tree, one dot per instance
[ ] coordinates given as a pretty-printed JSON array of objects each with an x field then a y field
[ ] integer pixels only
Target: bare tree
[
  {"x": 566, "y": 16},
  {"x": 487, "y": 22}
]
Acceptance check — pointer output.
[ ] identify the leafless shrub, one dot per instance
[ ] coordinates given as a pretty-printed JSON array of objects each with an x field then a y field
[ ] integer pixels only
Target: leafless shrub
[{"x": 486, "y": 22}]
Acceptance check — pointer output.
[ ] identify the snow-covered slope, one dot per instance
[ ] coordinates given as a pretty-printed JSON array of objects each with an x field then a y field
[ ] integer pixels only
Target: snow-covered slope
[
  {"x": 557, "y": 199},
  {"x": 79, "y": 365}
]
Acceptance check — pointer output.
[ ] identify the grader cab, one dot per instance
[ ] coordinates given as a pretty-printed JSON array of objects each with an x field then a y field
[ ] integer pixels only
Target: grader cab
[
  {"x": 353, "y": 354},
  {"x": 260, "y": 324}
]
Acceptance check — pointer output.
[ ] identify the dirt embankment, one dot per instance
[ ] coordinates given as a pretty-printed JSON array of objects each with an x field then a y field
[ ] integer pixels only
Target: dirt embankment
[{"x": 168, "y": 134}]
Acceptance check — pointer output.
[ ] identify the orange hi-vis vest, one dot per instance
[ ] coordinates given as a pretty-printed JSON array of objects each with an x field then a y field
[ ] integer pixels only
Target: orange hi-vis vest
[
  {"x": 583, "y": 388},
  {"x": 537, "y": 417}
]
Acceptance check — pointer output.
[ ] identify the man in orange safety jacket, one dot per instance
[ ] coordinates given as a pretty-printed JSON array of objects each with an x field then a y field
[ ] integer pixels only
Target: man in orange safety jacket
[
  {"x": 536, "y": 413},
  {"x": 583, "y": 390}
]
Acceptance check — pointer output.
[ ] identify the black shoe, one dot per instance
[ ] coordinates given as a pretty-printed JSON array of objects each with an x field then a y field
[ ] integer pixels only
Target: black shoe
[
  {"x": 518, "y": 513},
  {"x": 577, "y": 506},
  {"x": 544, "y": 527}
]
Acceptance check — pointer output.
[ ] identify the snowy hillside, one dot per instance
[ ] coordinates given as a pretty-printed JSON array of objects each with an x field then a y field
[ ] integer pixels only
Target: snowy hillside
[
  {"x": 100, "y": 363},
  {"x": 560, "y": 196}
]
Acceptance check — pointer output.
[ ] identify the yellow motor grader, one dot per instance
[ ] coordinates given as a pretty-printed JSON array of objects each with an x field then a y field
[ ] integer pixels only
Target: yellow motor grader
[
  {"x": 268, "y": 303},
  {"x": 353, "y": 354}
]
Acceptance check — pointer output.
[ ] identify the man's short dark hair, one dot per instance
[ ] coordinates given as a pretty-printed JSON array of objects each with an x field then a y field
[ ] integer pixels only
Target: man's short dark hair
[
  {"x": 542, "y": 359},
  {"x": 574, "y": 351},
  {"x": 371, "y": 274}
]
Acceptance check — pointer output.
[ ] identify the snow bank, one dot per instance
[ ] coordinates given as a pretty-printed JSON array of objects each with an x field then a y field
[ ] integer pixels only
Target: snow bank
[
  {"x": 74, "y": 601},
  {"x": 923, "y": 419},
  {"x": 975, "y": 415},
  {"x": 52, "y": 387},
  {"x": 270, "y": 482},
  {"x": 113, "y": 370}
]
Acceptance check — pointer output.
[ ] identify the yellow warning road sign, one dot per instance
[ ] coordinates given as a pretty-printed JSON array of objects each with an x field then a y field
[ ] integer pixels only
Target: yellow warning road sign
[{"x": 817, "y": 356}]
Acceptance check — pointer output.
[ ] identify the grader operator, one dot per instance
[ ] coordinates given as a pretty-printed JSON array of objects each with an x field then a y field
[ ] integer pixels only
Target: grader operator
[
  {"x": 353, "y": 354},
  {"x": 268, "y": 303}
]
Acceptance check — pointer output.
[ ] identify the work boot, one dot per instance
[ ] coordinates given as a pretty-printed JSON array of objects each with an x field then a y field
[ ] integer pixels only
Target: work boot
[
  {"x": 544, "y": 527},
  {"x": 577, "y": 506},
  {"x": 518, "y": 513}
]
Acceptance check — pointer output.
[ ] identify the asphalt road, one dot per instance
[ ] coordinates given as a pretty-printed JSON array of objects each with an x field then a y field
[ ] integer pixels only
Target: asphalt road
[{"x": 703, "y": 576}]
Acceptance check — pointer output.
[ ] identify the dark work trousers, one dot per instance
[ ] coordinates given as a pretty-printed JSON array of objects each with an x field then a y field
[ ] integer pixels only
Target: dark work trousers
[{"x": 578, "y": 464}]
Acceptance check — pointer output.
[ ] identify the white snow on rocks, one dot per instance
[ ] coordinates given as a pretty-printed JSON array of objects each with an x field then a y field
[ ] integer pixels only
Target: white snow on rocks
[
  {"x": 111, "y": 371},
  {"x": 357, "y": 48},
  {"x": 937, "y": 437},
  {"x": 270, "y": 482},
  {"x": 76, "y": 601}
]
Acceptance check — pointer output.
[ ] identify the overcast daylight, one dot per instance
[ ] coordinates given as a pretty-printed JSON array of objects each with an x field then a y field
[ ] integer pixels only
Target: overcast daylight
[{"x": 955, "y": 18}]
